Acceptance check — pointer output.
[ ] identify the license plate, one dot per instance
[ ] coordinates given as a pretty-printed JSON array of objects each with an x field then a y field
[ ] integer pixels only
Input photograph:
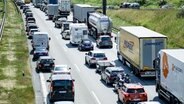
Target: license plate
[{"x": 62, "y": 91}]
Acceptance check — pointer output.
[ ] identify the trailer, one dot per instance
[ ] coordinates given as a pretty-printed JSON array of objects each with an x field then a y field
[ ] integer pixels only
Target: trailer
[
  {"x": 64, "y": 7},
  {"x": 139, "y": 46},
  {"x": 99, "y": 24},
  {"x": 80, "y": 12},
  {"x": 169, "y": 66},
  {"x": 52, "y": 9}
]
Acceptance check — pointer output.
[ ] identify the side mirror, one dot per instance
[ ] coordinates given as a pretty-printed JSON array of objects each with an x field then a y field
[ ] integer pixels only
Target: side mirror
[
  {"x": 49, "y": 38},
  {"x": 48, "y": 80}
]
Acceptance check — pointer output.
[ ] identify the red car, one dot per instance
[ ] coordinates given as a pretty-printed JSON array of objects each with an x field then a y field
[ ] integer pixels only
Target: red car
[{"x": 131, "y": 93}]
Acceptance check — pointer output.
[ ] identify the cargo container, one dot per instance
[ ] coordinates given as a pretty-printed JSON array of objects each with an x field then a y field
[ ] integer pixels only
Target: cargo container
[
  {"x": 139, "y": 46},
  {"x": 37, "y": 3},
  {"x": 80, "y": 12},
  {"x": 169, "y": 67},
  {"x": 64, "y": 7},
  {"x": 52, "y": 9}
]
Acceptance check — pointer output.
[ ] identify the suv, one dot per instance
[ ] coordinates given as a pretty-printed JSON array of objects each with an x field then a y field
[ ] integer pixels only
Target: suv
[
  {"x": 92, "y": 57},
  {"x": 131, "y": 93},
  {"x": 104, "y": 41},
  {"x": 39, "y": 51},
  {"x": 61, "y": 88},
  {"x": 44, "y": 63},
  {"x": 31, "y": 26},
  {"x": 109, "y": 75}
]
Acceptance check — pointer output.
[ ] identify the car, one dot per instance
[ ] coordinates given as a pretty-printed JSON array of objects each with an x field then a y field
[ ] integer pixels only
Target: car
[
  {"x": 125, "y": 5},
  {"x": 28, "y": 14},
  {"x": 25, "y": 8},
  {"x": 135, "y": 5},
  {"x": 149, "y": 102},
  {"x": 104, "y": 41},
  {"x": 39, "y": 51},
  {"x": 93, "y": 56},
  {"x": 61, "y": 69},
  {"x": 61, "y": 88},
  {"x": 131, "y": 93},
  {"x": 65, "y": 34},
  {"x": 58, "y": 23},
  {"x": 56, "y": 17},
  {"x": 31, "y": 32},
  {"x": 101, "y": 65},
  {"x": 85, "y": 44},
  {"x": 22, "y": 5},
  {"x": 109, "y": 75},
  {"x": 31, "y": 19},
  {"x": 45, "y": 63},
  {"x": 31, "y": 26},
  {"x": 64, "y": 102}
]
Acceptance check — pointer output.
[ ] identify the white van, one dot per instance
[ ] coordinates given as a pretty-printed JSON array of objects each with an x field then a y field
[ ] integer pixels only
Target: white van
[
  {"x": 78, "y": 31},
  {"x": 40, "y": 39}
]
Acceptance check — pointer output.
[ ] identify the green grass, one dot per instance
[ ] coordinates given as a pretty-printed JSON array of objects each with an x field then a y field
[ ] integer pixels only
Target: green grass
[{"x": 14, "y": 88}]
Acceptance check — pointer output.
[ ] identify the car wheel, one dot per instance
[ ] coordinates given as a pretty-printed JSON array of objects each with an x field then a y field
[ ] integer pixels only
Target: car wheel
[{"x": 86, "y": 62}]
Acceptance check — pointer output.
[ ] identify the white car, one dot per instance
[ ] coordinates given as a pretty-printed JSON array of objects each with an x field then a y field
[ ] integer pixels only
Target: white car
[{"x": 61, "y": 69}]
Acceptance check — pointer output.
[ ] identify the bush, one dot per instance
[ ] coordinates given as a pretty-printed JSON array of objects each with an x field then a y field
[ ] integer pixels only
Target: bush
[{"x": 180, "y": 14}]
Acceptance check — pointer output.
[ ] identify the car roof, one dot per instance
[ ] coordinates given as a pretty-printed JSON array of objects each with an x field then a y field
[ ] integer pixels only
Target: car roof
[
  {"x": 97, "y": 51},
  {"x": 46, "y": 57},
  {"x": 61, "y": 77},
  {"x": 115, "y": 69},
  {"x": 133, "y": 85},
  {"x": 64, "y": 102},
  {"x": 32, "y": 24},
  {"x": 149, "y": 102}
]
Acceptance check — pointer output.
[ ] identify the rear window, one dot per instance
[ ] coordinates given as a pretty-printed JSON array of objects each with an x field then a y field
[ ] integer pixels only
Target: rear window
[
  {"x": 62, "y": 83},
  {"x": 47, "y": 61},
  {"x": 106, "y": 39},
  {"x": 98, "y": 55},
  {"x": 116, "y": 72},
  {"x": 141, "y": 90}
]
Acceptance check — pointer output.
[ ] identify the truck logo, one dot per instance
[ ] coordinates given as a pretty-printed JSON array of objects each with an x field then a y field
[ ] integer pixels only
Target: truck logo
[
  {"x": 165, "y": 65},
  {"x": 128, "y": 44}
]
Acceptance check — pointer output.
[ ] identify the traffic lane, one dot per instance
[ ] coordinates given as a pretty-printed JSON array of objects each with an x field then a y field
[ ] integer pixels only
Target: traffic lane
[
  {"x": 83, "y": 96},
  {"x": 144, "y": 82},
  {"x": 84, "y": 78}
]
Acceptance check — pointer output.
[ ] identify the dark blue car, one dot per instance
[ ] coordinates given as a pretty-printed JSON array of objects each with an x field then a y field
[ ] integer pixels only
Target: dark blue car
[{"x": 85, "y": 44}]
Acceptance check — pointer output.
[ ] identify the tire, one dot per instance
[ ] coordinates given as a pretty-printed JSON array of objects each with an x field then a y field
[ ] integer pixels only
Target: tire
[
  {"x": 86, "y": 62},
  {"x": 37, "y": 70}
]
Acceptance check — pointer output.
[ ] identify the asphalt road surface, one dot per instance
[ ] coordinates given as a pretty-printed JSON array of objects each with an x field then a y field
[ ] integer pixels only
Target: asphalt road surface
[{"x": 89, "y": 89}]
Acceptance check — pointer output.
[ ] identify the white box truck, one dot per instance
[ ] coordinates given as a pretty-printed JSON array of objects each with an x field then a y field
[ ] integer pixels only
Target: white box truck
[
  {"x": 139, "y": 46},
  {"x": 64, "y": 7},
  {"x": 80, "y": 12},
  {"x": 52, "y": 9},
  {"x": 40, "y": 39},
  {"x": 169, "y": 67},
  {"x": 78, "y": 31}
]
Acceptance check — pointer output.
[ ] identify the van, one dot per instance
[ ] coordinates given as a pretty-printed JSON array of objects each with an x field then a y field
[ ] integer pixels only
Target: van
[
  {"x": 78, "y": 31},
  {"x": 40, "y": 39},
  {"x": 61, "y": 88}
]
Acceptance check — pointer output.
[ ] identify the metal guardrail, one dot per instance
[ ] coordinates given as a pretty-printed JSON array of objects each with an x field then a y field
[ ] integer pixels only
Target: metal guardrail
[{"x": 3, "y": 20}]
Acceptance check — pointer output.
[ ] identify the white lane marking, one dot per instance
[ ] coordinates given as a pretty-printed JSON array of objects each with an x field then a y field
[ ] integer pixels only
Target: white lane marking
[
  {"x": 65, "y": 49},
  {"x": 44, "y": 89},
  {"x": 98, "y": 101},
  {"x": 77, "y": 67}
]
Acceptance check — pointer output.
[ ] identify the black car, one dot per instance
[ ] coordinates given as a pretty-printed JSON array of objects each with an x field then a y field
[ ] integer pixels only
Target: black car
[
  {"x": 31, "y": 26},
  {"x": 28, "y": 14},
  {"x": 85, "y": 44},
  {"x": 45, "y": 63},
  {"x": 25, "y": 8},
  {"x": 61, "y": 88},
  {"x": 39, "y": 52},
  {"x": 109, "y": 75}
]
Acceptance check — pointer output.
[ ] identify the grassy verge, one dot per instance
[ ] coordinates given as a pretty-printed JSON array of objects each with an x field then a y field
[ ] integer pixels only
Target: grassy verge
[
  {"x": 162, "y": 21},
  {"x": 14, "y": 88}
]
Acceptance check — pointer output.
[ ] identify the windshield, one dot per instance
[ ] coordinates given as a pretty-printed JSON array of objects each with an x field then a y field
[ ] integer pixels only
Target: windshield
[
  {"x": 62, "y": 83},
  {"x": 46, "y": 61}
]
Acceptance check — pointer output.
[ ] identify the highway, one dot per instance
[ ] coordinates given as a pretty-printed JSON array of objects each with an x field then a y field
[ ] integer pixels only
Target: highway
[{"x": 89, "y": 89}]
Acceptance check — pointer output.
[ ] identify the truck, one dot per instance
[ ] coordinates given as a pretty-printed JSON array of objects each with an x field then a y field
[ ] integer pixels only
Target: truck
[
  {"x": 40, "y": 39},
  {"x": 138, "y": 46},
  {"x": 37, "y": 3},
  {"x": 169, "y": 66},
  {"x": 80, "y": 12},
  {"x": 64, "y": 7},
  {"x": 99, "y": 24},
  {"x": 78, "y": 31},
  {"x": 52, "y": 9}
]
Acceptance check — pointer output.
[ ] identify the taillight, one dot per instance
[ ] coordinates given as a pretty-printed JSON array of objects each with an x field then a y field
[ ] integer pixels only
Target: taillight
[{"x": 127, "y": 95}]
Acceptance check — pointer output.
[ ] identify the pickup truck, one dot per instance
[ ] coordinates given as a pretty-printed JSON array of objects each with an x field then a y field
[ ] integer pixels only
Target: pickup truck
[{"x": 58, "y": 23}]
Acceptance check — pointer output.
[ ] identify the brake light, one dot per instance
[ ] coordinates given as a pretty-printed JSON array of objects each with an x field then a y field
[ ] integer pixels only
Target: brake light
[{"x": 127, "y": 95}]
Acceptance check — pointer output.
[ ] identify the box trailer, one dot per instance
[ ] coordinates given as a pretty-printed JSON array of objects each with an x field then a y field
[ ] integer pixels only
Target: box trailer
[
  {"x": 139, "y": 46},
  {"x": 52, "y": 9},
  {"x": 80, "y": 12},
  {"x": 169, "y": 67},
  {"x": 64, "y": 7},
  {"x": 37, "y": 3}
]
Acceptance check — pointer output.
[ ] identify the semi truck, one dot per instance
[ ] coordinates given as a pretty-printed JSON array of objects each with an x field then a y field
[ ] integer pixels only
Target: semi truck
[
  {"x": 52, "y": 9},
  {"x": 78, "y": 31},
  {"x": 169, "y": 66},
  {"x": 80, "y": 12},
  {"x": 99, "y": 24},
  {"x": 64, "y": 7},
  {"x": 138, "y": 46}
]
